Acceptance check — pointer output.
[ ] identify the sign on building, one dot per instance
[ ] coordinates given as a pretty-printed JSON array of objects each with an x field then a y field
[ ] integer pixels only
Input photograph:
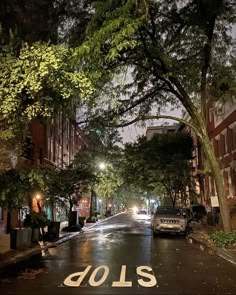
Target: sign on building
[{"x": 214, "y": 201}]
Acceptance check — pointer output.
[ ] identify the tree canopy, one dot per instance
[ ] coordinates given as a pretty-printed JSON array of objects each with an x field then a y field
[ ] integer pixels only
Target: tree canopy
[
  {"x": 160, "y": 52},
  {"x": 164, "y": 49},
  {"x": 161, "y": 162}
]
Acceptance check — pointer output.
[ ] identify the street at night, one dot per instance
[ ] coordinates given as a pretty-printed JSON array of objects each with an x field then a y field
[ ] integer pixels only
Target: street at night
[
  {"x": 117, "y": 147},
  {"x": 120, "y": 256}
]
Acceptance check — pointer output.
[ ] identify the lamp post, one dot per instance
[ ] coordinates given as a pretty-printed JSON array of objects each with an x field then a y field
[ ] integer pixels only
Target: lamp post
[
  {"x": 93, "y": 203},
  {"x": 101, "y": 207}
]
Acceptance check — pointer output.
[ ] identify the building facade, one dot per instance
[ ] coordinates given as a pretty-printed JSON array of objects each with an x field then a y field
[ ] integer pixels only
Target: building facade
[
  {"x": 54, "y": 142},
  {"x": 152, "y": 130},
  {"x": 221, "y": 126}
]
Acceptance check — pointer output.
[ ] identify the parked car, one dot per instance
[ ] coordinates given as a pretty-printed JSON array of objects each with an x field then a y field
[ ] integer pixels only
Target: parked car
[{"x": 168, "y": 220}]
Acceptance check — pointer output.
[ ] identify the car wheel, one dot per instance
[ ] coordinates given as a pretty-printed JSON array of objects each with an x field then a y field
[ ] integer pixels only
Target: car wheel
[
  {"x": 184, "y": 234},
  {"x": 155, "y": 234}
]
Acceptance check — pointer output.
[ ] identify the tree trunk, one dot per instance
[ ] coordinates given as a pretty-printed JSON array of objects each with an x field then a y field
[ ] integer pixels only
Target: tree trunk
[
  {"x": 71, "y": 217},
  {"x": 200, "y": 128},
  {"x": 53, "y": 211},
  {"x": 8, "y": 229},
  {"x": 219, "y": 181}
]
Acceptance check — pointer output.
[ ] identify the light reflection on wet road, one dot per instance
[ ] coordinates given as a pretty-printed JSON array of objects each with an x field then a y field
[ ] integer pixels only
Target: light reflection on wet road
[{"x": 179, "y": 267}]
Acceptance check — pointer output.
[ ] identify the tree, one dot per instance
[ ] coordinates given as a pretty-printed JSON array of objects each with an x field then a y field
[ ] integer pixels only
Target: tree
[
  {"x": 171, "y": 51},
  {"x": 17, "y": 188},
  {"x": 102, "y": 147},
  {"x": 66, "y": 186},
  {"x": 152, "y": 164},
  {"x": 109, "y": 183},
  {"x": 37, "y": 82},
  {"x": 38, "y": 76}
]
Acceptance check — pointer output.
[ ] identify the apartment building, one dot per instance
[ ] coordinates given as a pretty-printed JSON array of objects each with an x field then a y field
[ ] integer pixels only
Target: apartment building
[
  {"x": 152, "y": 130},
  {"x": 54, "y": 142},
  {"x": 221, "y": 126}
]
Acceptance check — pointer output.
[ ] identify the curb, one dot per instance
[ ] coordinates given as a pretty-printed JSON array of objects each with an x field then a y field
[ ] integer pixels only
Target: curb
[
  {"x": 20, "y": 257},
  {"x": 203, "y": 246},
  {"x": 223, "y": 254}
]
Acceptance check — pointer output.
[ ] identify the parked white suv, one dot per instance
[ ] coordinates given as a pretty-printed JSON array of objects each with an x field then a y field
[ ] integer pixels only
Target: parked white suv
[{"x": 168, "y": 220}]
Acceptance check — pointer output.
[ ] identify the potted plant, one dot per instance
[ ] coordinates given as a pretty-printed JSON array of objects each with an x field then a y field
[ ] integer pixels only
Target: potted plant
[
  {"x": 91, "y": 219},
  {"x": 12, "y": 197},
  {"x": 82, "y": 220},
  {"x": 64, "y": 186},
  {"x": 36, "y": 221}
]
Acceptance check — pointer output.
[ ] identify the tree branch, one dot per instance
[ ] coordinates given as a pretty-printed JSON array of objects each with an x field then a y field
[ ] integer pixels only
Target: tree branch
[{"x": 157, "y": 117}]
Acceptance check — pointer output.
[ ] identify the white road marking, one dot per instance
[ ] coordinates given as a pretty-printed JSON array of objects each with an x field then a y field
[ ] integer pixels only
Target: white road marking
[
  {"x": 152, "y": 280},
  {"x": 75, "y": 279},
  {"x": 72, "y": 283},
  {"x": 122, "y": 282},
  {"x": 92, "y": 281}
]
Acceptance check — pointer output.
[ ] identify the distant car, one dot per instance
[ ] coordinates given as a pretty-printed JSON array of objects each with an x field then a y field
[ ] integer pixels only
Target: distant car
[
  {"x": 142, "y": 211},
  {"x": 168, "y": 220}
]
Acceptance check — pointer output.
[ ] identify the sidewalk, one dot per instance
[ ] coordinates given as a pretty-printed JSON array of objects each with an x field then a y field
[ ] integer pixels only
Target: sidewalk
[
  {"x": 199, "y": 236},
  {"x": 10, "y": 258}
]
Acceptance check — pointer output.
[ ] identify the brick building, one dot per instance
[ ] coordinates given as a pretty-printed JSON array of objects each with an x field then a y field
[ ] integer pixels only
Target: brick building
[
  {"x": 55, "y": 143},
  {"x": 51, "y": 143},
  {"x": 221, "y": 126}
]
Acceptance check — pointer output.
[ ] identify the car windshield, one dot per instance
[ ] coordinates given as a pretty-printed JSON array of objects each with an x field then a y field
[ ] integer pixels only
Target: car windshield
[{"x": 169, "y": 211}]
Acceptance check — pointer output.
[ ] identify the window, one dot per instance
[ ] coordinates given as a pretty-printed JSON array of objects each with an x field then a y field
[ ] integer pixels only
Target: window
[
  {"x": 226, "y": 143},
  {"x": 28, "y": 149},
  {"x": 234, "y": 138}
]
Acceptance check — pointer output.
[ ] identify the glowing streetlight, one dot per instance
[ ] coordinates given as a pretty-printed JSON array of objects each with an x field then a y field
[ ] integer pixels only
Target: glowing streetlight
[
  {"x": 102, "y": 166},
  {"x": 38, "y": 197},
  {"x": 135, "y": 209}
]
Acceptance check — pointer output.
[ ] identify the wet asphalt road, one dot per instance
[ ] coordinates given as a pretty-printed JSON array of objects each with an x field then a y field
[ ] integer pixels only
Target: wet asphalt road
[{"x": 121, "y": 251}]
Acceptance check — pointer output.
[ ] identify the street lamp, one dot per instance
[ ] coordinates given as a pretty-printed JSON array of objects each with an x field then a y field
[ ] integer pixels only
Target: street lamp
[
  {"x": 100, "y": 207},
  {"x": 101, "y": 166},
  {"x": 38, "y": 198}
]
